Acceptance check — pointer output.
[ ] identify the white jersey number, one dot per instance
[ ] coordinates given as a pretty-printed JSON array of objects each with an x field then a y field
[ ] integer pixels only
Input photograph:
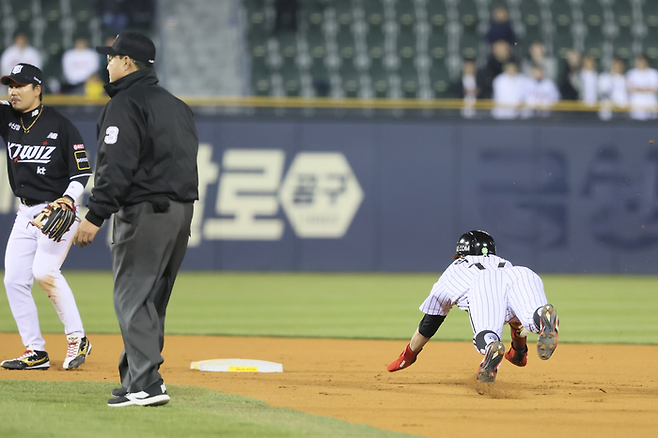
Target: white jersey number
[{"x": 111, "y": 135}]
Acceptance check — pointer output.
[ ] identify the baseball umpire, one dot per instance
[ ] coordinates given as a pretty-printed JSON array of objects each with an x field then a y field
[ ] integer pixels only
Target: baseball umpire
[
  {"x": 493, "y": 292},
  {"x": 48, "y": 169},
  {"x": 146, "y": 176}
]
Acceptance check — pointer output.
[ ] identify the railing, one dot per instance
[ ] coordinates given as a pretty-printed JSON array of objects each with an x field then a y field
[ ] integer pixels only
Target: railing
[{"x": 326, "y": 102}]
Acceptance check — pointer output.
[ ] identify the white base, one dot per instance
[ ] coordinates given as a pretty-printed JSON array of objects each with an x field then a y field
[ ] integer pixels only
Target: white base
[{"x": 237, "y": 366}]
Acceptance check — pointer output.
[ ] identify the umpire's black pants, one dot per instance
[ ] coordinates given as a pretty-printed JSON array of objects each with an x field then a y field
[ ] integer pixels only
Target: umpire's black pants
[{"x": 147, "y": 251}]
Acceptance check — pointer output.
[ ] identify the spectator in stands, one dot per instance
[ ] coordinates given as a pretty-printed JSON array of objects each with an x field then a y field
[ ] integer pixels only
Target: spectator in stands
[
  {"x": 570, "y": 83},
  {"x": 501, "y": 53},
  {"x": 78, "y": 64},
  {"x": 541, "y": 93},
  {"x": 612, "y": 89},
  {"x": 500, "y": 28},
  {"x": 589, "y": 80},
  {"x": 466, "y": 87},
  {"x": 642, "y": 84},
  {"x": 509, "y": 92},
  {"x": 93, "y": 87},
  {"x": 20, "y": 52},
  {"x": 537, "y": 56}
]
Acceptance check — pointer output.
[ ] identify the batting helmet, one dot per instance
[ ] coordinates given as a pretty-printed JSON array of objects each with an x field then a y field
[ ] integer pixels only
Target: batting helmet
[{"x": 475, "y": 242}]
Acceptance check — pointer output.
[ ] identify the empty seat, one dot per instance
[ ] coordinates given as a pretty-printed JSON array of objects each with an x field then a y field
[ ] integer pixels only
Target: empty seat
[
  {"x": 439, "y": 79},
  {"x": 344, "y": 14},
  {"x": 287, "y": 44},
  {"x": 469, "y": 45},
  {"x": 349, "y": 79},
  {"x": 21, "y": 10},
  {"x": 624, "y": 35},
  {"x": 405, "y": 12},
  {"x": 53, "y": 38},
  {"x": 561, "y": 14},
  {"x": 406, "y": 47},
  {"x": 468, "y": 15},
  {"x": 290, "y": 78},
  {"x": 650, "y": 19},
  {"x": 345, "y": 44},
  {"x": 374, "y": 13},
  {"x": 437, "y": 46},
  {"x": 375, "y": 42},
  {"x": 261, "y": 84},
  {"x": 51, "y": 12},
  {"x": 593, "y": 16},
  {"x": 531, "y": 20},
  {"x": 437, "y": 15}
]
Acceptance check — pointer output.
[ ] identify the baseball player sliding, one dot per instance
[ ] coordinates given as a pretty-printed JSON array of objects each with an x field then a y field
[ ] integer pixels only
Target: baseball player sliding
[
  {"x": 493, "y": 292},
  {"x": 48, "y": 169}
]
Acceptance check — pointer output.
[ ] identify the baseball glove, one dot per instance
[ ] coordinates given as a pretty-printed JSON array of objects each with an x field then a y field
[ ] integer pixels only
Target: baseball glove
[{"x": 59, "y": 215}]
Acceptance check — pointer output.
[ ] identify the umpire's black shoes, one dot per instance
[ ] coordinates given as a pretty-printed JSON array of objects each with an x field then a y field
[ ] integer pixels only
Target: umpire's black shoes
[
  {"x": 30, "y": 360},
  {"x": 155, "y": 395},
  {"x": 119, "y": 392}
]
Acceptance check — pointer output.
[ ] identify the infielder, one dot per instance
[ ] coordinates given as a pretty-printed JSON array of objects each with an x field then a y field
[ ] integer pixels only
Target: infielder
[
  {"x": 48, "y": 169},
  {"x": 493, "y": 292}
]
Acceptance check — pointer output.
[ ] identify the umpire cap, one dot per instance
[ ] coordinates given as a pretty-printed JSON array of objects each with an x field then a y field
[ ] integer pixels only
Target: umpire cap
[
  {"x": 133, "y": 44},
  {"x": 23, "y": 74}
]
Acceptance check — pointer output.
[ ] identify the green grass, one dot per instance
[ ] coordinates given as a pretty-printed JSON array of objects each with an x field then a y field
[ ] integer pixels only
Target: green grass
[
  {"x": 592, "y": 309},
  {"x": 47, "y": 409}
]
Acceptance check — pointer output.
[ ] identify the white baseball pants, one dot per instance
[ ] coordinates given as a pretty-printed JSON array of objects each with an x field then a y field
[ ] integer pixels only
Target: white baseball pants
[{"x": 31, "y": 255}]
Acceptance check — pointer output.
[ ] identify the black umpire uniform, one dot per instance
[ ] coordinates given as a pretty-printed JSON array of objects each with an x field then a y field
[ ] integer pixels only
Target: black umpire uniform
[{"x": 146, "y": 175}]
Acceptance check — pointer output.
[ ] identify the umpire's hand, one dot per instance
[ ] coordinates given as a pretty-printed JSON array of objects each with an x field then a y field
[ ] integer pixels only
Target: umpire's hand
[{"x": 85, "y": 233}]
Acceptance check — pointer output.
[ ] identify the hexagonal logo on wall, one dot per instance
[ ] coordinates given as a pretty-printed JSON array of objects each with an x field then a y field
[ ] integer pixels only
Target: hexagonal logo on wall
[{"x": 320, "y": 195}]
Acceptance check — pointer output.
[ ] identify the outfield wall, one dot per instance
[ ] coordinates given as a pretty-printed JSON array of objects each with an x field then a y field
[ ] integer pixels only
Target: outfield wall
[{"x": 394, "y": 195}]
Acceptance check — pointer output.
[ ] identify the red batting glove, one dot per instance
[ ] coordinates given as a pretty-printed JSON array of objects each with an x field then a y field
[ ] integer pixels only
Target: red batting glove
[{"x": 407, "y": 357}]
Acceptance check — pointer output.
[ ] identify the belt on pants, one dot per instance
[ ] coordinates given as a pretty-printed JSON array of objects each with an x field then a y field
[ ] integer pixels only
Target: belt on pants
[{"x": 32, "y": 202}]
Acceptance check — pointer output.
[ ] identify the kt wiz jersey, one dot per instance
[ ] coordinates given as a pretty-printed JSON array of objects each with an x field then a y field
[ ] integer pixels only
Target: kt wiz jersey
[{"x": 45, "y": 152}]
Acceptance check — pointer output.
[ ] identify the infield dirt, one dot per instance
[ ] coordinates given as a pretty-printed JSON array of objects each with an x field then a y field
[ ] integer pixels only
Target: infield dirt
[{"x": 582, "y": 391}]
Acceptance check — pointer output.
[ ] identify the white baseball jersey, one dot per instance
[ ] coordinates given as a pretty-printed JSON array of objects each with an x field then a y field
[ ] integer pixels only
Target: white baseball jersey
[
  {"x": 498, "y": 296},
  {"x": 491, "y": 290},
  {"x": 453, "y": 286}
]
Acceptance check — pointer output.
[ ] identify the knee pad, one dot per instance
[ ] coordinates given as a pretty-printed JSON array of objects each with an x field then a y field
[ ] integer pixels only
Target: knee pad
[
  {"x": 484, "y": 338},
  {"x": 430, "y": 324}
]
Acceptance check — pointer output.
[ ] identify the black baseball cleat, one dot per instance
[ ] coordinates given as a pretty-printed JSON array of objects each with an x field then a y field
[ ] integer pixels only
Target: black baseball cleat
[
  {"x": 492, "y": 359},
  {"x": 77, "y": 352},
  {"x": 30, "y": 360},
  {"x": 155, "y": 395}
]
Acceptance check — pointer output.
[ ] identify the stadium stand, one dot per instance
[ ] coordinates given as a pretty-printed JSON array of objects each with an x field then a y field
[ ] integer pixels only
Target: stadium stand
[{"x": 52, "y": 26}]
